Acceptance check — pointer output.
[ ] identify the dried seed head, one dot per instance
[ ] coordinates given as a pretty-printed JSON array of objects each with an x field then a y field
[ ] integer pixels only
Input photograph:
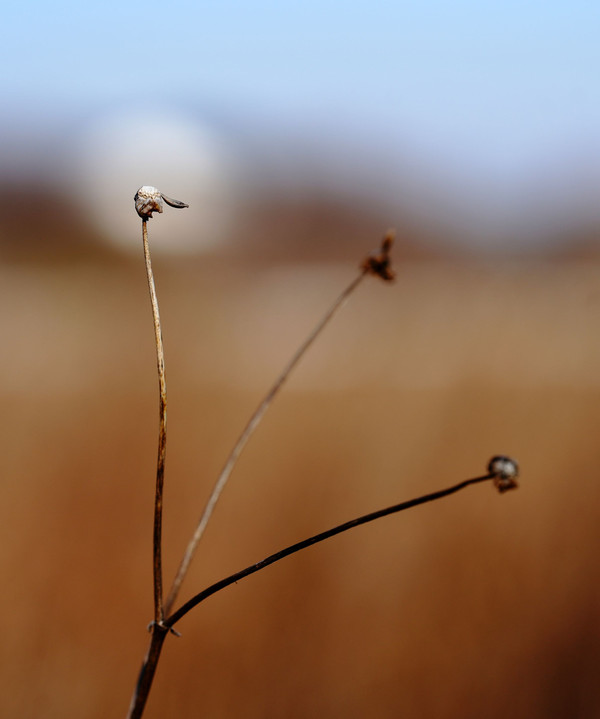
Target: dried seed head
[
  {"x": 505, "y": 472},
  {"x": 379, "y": 263},
  {"x": 148, "y": 200}
]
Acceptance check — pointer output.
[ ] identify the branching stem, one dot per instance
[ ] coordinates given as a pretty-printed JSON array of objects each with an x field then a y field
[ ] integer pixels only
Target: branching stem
[
  {"x": 159, "y": 631},
  {"x": 249, "y": 429},
  {"x": 503, "y": 470}
]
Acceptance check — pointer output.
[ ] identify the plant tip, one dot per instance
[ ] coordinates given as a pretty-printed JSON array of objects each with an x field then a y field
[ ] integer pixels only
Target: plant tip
[
  {"x": 505, "y": 471},
  {"x": 379, "y": 263},
  {"x": 148, "y": 200}
]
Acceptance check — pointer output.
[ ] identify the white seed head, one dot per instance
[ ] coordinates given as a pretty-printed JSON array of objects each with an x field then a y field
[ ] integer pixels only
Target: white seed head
[{"x": 148, "y": 200}]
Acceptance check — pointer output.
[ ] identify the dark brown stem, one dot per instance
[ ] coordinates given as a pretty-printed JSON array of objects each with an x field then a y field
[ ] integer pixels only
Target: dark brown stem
[
  {"x": 249, "y": 429},
  {"x": 162, "y": 436},
  {"x": 146, "y": 676},
  {"x": 209, "y": 591}
]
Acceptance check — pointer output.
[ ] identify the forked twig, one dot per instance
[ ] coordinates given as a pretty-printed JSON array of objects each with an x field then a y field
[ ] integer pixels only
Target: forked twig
[
  {"x": 379, "y": 264},
  {"x": 501, "y": 469}
]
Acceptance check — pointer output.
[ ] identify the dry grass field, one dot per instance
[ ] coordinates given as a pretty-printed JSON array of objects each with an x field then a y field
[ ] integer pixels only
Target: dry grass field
[{"x": 479, "y": 605}]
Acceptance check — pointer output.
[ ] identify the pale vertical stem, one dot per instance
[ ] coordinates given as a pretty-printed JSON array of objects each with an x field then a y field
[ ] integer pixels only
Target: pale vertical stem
[
  {"x": 162, "y": 436},
  {"x": 245, "y": 436}
]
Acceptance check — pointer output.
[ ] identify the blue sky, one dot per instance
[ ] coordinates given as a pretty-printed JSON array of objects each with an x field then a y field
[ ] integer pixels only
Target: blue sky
[
  {"x": 507, "y": 73},
  {"x": 494, "y": 89}
]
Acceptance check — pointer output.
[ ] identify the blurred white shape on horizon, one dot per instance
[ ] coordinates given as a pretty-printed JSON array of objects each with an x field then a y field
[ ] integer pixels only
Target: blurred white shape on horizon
[{"x": 123, "y": 150}]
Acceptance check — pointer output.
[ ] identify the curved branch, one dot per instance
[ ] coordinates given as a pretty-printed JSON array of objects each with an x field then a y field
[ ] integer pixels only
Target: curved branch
[{"x": 214, "y": 588}]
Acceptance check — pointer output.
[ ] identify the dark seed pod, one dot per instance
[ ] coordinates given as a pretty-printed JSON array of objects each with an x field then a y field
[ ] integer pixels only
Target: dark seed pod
[{"x": 505, "y": 472}]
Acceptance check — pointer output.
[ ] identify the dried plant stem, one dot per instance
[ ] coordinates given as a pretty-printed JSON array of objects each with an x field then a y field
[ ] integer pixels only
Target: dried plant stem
[
  {"x": 292, "y": 549},
  {"x": 159, "y": 632},
  {"x": 162, "y": 435},
  {"x": 247, "y": 433},
  {"x": 146, "y": 676}
]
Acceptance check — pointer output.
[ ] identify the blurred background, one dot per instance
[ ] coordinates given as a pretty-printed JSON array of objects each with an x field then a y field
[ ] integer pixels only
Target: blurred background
[{"x": 298, "y": 132}]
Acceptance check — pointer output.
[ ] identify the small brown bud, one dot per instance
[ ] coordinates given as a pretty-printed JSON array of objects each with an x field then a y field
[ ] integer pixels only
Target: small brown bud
[
  {"x": 148, "y": 200},
  {"x": 379, "y": 263},
  {"x": 505, "y": 472}
]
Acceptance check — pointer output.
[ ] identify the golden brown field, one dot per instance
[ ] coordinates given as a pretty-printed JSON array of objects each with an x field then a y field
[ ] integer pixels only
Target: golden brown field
[{"x": 479, "y": 605}]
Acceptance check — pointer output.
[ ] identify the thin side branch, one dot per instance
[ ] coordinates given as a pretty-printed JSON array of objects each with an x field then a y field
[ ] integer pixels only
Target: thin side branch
[
  {"x": 162, "y": 435},
  {"x": 214, "y": 588},
  {"x": 249, "y": 429}
]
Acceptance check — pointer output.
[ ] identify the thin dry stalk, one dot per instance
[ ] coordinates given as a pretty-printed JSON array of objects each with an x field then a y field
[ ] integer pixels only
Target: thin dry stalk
[
  {"x": 292, "y": 549},
  {"x": 147, "y": 672},
  {"x": 371, "y": 265},
  {"x": 162, "y": 435}
]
